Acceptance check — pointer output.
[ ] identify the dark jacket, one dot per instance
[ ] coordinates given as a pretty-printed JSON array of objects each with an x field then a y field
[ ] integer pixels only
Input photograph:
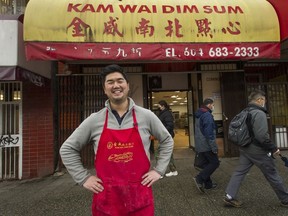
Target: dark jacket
[
  {"x": 262, "y": 143},
  {"x": 167, "y": 119},
  {"x": 205, "y": 131}
]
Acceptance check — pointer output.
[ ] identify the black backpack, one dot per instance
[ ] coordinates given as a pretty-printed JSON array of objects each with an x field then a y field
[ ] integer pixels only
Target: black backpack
[{"x": 240, "y": 130}]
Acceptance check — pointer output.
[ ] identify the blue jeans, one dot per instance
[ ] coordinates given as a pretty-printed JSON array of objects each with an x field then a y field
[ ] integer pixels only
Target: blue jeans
[{"x": 212, "y": 163}]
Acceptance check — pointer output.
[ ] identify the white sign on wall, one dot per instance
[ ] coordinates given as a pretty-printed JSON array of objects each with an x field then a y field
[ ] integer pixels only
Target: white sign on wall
[
  {"x": 8, "y": 42},
  {"x": 12, "y": 52},
  {"x": 211, "y": 89}
]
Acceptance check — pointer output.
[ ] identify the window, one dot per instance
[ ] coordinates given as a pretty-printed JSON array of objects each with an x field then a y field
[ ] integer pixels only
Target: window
[{"x": 13, "y": 6}]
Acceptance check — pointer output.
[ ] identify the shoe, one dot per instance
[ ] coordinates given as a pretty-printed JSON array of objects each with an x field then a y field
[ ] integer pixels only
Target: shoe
[
  {"x": 199, "y": 186},
  {"x": 175, "y": 173},
  {"x": 213, "y": 186},
  {"x": 233, "y": 202},
  {"x": 284, "y": 204}
]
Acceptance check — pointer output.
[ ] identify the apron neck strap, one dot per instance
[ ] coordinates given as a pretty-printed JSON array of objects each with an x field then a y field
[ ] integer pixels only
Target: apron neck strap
[{"x": 135, "y": 124}]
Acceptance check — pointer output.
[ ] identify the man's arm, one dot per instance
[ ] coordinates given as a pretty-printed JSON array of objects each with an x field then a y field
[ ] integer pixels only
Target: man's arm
[
  {"x": 208, "y": 131},
  {"x": 70, "y": 152},
  {"x": 260, "y": 130}
]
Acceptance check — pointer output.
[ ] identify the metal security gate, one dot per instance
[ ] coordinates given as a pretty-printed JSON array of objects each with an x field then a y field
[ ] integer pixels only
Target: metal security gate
[
  {"x": 277, "y": 106},
  {"x": 79, "y": 96},
  {"x": 10, "y": 130}
]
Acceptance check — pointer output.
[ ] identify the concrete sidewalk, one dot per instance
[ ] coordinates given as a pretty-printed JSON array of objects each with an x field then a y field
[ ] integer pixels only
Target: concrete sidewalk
[{"x": 174, "y": 196}]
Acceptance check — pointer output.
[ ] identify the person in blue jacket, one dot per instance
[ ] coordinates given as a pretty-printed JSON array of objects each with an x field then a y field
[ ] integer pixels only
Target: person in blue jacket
[{"x": 205, "y": 144}]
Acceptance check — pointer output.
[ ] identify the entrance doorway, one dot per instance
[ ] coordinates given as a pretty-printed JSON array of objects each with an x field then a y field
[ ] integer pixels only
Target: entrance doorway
[{"x": 177, "y": 100}]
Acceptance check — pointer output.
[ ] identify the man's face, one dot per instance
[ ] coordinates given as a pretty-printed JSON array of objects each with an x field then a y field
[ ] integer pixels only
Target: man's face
[
  {"x": 211, "y": 106},
  {"x": 116, "y": 88},
  {"x": 261, "y": 101},
  {"x": 160, "y": 107}
]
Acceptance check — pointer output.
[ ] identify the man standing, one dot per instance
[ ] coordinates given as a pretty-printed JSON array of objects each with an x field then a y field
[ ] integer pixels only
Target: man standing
[
  {"x": 205, "y": 144},
  {"x": 120, "y": 134},
  {"x": 167, "y": 119},
  {"x": 260, "y": 152}
]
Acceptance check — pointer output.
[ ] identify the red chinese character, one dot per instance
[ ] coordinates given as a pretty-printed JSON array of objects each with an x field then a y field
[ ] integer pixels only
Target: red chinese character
[
  {"x": 79, "y": 28},
  {"x": 233, "y": 30},
  {"x": 169, "y": 28},
  {"x": 144, "y": 28},
  {"x": 203, "y": 27},
  {"x": 111, "y": 27}
]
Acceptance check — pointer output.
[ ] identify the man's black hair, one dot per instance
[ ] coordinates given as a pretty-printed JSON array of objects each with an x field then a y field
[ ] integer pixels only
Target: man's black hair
[
  {"x": 111, "y": 69},
  {"x": 163, "y": 103},
  {"x": 208, "y": 101}
]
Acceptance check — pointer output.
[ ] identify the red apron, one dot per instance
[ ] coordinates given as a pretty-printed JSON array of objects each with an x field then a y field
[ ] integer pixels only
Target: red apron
[{"x": 120, "y": 163}]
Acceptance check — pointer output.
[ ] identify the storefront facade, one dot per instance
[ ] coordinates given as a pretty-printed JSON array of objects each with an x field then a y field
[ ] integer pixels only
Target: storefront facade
[
  {"x": 26, "y": 113},
  {"x": 220, "y": 50}
]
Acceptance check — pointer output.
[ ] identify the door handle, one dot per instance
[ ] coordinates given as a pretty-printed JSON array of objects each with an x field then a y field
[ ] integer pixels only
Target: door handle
[{"x": 225, "y": 118}]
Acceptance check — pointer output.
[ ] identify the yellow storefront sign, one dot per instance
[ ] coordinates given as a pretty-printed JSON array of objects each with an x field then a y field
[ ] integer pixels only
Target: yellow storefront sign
[{"x": 150, "y": 21}]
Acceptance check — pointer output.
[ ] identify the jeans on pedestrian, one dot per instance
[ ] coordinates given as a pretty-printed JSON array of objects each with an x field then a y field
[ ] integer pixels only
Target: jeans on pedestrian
[
  {"x": 212, "y": 164},
  {"x": 172, "y": 165}
]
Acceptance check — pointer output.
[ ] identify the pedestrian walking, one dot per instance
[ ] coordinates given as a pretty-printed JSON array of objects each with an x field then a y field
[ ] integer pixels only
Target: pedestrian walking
[
  {"x": 205, "y": 145},
  {"x": 260, "y": 152},
  {"x": 167, "y": 119},
  {"x": 120, "y": 133}
]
